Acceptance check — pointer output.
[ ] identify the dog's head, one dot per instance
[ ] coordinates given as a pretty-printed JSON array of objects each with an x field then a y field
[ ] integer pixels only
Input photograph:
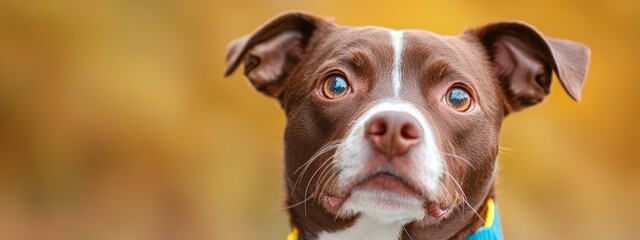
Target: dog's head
[{"x": 397, "y": 126}]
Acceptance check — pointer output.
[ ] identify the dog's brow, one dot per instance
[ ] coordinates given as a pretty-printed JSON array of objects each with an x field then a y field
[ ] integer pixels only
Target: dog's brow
[
  {"x": 356, "y": 58},
  {"x": 440, "y": 69}
]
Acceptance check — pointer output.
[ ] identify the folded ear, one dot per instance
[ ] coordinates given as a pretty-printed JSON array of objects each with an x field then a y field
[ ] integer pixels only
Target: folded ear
[
  {"x": 273, "y": 50},
  {"x": 523, "y": 60}
]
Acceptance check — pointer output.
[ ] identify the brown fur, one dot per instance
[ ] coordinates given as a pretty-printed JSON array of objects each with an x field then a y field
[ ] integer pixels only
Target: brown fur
[{"x": 508, "y": 67}]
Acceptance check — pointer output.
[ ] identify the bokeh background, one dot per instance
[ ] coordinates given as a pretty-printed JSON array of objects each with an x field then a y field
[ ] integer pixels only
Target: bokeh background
[{"x": 116, "y": 122}]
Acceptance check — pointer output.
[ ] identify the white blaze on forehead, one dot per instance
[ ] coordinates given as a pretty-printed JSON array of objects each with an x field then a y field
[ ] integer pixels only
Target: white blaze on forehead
[{"x": 397, "y": 43}]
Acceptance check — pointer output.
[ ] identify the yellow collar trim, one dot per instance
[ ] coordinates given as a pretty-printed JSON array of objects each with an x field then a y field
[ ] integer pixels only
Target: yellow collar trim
[
  {"x": 488, "y": 222},
  {"x": 491, "y": 213},
  {"x": 293, "y": 235}
]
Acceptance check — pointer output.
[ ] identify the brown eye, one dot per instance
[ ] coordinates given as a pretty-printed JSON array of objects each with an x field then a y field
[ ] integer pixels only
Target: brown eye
[
  {"x": 335, "y": 86},
  {"x": 459, "y": 99}
]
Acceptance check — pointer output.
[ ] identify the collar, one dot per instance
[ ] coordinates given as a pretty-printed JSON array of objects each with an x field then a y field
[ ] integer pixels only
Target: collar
[
  {"x": 492, "y": 229},
  {"x": 293, "y": 235}
]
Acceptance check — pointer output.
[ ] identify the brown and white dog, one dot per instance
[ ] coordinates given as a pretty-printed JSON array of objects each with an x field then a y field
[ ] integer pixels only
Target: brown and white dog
[{"x": 394, "y": 134}]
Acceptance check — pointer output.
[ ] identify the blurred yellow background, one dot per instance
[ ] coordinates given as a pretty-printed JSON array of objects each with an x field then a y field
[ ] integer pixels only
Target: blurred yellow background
[{"x": 116, "y": 122}]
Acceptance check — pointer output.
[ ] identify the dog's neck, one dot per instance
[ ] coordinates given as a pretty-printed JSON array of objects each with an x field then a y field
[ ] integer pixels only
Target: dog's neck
[{"x": 313, "y": 223}]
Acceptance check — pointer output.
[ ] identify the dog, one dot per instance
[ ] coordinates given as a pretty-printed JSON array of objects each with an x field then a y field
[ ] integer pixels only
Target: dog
[{"x": 394, "y": 134}]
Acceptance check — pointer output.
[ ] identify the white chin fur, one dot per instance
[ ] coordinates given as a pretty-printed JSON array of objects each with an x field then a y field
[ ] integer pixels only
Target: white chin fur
[{"x": 384, "y": 207}]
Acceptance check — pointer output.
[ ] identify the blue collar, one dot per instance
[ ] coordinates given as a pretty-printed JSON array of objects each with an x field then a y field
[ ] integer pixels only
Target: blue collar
[{"x": 492, "y": 229}]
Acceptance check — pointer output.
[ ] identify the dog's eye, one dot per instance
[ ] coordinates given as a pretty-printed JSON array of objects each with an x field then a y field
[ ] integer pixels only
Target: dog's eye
[
  {"x": 335, "y": 86},
  {"x": 459, "y": 99}
]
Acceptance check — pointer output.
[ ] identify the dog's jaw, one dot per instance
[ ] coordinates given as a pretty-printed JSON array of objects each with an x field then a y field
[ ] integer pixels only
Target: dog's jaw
[{"x": 389, "y": 211}]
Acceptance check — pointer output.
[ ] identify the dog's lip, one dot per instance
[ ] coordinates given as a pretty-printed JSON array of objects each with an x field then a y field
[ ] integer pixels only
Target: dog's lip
[
  {"x": 389, "y": 182},
  {"x": 385, "y": 181}
]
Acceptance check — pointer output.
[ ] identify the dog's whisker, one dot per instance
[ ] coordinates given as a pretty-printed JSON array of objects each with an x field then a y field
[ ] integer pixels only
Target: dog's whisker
[
  {"x": 314, "y": 157},
  {"x": 448, "y": 199},
  {"x": 464, "y": 196},
  {"x": 298, "y": 203},
  {"x": 329, "y": 180},
  {"x": 405, "y": 230},
  {"x": 323, "y": 150},
  {"x": 508, "y": 149},
  {"x": 327, "y": 172},
  {"x": 452, "y": 198},
  {"x": 474, "y": 211},
  {"x": 459, "y": 193},
  {"x": 328, "y": 147},
  {"x": 322, "y": 168},
  {"x": 323, "y": 174},
  {"x": 505, "y": 150},
  {"x": 311, "y": 180},
  {"x": 459, "y": 158}
]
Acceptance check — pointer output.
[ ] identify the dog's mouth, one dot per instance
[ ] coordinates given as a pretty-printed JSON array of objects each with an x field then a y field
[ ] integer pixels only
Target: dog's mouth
[{"x": 388, "y": 184}]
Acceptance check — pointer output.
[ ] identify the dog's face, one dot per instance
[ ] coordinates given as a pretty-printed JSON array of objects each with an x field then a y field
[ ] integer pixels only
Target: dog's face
[{"x": 397, "y": 126}]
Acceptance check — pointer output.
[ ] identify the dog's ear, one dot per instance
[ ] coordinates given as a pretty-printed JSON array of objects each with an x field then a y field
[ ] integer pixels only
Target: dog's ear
[
  {"x": 523, "y": 60},
  {"x": 273, "y": 50}
]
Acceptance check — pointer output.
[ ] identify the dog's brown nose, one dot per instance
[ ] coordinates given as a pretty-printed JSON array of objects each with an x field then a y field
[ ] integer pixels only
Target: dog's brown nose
[{"x": 393, "y": 133}]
